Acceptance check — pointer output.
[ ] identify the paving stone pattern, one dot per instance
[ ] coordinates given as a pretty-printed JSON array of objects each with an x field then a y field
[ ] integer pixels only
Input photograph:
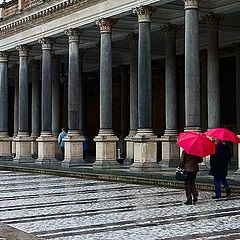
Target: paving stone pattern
[{"x": 52, "y": 207}]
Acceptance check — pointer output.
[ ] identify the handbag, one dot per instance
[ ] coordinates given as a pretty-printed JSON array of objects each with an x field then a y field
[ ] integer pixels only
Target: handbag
[{"x": 181, "y": 174}]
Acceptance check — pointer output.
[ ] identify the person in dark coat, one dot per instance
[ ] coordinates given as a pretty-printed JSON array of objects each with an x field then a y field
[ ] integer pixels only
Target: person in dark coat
[
  {"x": 191, "y": 164},
  {"x": 219, "y": 167}
]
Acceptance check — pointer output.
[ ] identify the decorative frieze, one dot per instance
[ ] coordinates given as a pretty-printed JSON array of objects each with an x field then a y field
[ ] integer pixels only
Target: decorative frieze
[
  {"x": 73, "y": 34},
  {"x": 23, "y": 50},
  {"x": 144, "y": 13},
  {"x": 46, "y": 43},
  {"x": 188, "y": 4},
  {"x": 3, "y": 56},
  {"x": 67, "y": 6},
  {"x": 212, "y": 20},
  {"x": 170, "y": 29},
  {"x": 106, "y": 24}
]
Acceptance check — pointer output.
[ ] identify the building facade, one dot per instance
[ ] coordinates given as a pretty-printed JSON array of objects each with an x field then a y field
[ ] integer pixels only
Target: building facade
[{"x": 127, "y": 75}]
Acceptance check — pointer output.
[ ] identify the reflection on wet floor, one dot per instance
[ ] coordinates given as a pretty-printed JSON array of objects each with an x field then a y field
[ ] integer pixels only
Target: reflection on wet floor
[{"x": 53, "y": 207}]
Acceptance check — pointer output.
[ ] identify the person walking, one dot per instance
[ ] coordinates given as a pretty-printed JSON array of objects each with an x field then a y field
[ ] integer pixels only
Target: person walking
[
  {"x": 61, "y": 136},
  {"x": 219, "y": 168},
  {"x": 191, "y": 164}
]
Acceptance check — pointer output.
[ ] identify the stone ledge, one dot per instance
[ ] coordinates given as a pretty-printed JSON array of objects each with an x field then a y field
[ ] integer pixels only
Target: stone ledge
[
  {"x": 164, "y": 180},
  {"x": 8, "y": 232}
]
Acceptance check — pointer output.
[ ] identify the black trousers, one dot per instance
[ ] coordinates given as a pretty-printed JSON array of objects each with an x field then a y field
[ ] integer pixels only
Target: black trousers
[{"x": 190, "y": 186}]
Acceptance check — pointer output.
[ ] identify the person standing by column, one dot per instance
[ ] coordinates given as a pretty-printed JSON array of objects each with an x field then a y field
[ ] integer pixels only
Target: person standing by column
[
  {"x": 219, "y": 168},
  {"x": 61, "y": 136}
]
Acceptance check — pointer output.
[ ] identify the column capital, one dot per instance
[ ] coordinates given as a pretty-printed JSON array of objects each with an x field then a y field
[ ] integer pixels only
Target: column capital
[
  {"x": 144, "y": 13},
  {"x": 23, "y": 50},
  {"x": 3, "y": 56},
  {"x": 46, "y": 43},
  {"x": 188, "y": 4},
  {"x": 212, "y": 20},
  {"x": 133, "y": 39},
  {"x": 106, "y": 24},
  {"x": 170, "y": 29},
  {"x": 73, "y": 34}
]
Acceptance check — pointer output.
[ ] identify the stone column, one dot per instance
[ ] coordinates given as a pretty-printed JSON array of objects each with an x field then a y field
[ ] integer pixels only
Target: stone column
[
  {"x": 106, "y": 140},
  {"x": 23, "y": 141},
  {"x": 16, "y": 108},
  {"x": 133, "y": 98},
  {"x": 170, "y": 151},
  {"x": 55, "y": 103},
  {"x": 192, "y": 76},
  {"x": 237, "y": 49},
  {"x": 73, "y": 142},
  {"x": 46, "y": 141},
  {"x": 203, "y": 80},
  {"x": 5, "y": 140},
  {"x": 145, "y": 142},
  {"x": 213, "y": 84},
  {"x": 35, "y": 106},
  {"x": 124, "y": 109}
]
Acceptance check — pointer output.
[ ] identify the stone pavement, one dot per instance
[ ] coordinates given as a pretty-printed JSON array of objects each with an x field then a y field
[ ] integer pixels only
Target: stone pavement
[{"x": 54, "y": 207}]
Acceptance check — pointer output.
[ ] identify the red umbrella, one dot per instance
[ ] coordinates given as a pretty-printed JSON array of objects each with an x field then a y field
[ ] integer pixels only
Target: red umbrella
[
  {"x": 196, "y": 144},
  {"x": 222, "y": 134}
]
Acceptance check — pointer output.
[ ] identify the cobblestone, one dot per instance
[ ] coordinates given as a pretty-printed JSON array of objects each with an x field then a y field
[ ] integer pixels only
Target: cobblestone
[{"x": 52, "y": 207}]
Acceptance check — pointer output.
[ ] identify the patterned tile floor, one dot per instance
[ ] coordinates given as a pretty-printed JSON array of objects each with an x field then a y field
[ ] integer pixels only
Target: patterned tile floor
[{"x": 53, "y": 207}]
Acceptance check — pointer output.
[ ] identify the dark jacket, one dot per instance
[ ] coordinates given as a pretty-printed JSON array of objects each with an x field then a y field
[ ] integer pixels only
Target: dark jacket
[
  {"x": 220, "y": 160},
  {"x": 190, "y": 162}
]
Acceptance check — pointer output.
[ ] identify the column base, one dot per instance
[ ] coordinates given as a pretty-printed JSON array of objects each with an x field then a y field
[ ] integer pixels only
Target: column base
[
  {"x": 106, "y": 146},
  {"x": 34, "y": 146},
  {"x": 145, "y": 152},
  {"x": 170, "y": 151},
  {"x": 192, "y": 129},
  {"x": 5, "y": 148},
  {"x": 129, "y": 148},
  {"x": 73, "y": 150},
  {"x": 46, "y": 149},
  {"x": 23, "y": 149}
]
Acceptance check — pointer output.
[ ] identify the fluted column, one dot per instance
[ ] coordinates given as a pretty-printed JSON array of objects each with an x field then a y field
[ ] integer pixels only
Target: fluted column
[
  {"x": 5, "y": 140},
  {"x": 213, "y": 84},
  {"x": 106, "y": 141},
  {"x": 170, "y": 151},
  {"x": 133, "y": 114},
  {"x": 73, "y": 142},
  {"x": 145, "y": 142},
  {"x": 192, "y": 76},
  {"x": 23, "y": 141},
  {"x": 46, "y": 141}
]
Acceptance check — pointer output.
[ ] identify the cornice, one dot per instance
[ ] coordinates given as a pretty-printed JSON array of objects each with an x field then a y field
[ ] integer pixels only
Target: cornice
[{"x": 41, "y": 16}]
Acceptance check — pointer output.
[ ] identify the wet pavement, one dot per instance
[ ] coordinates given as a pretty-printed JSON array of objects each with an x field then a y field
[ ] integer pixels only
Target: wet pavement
[{"x": 53, "y": 207}]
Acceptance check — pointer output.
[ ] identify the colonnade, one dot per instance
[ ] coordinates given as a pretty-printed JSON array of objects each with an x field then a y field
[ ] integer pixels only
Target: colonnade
[{"x": 141, "y": 142}]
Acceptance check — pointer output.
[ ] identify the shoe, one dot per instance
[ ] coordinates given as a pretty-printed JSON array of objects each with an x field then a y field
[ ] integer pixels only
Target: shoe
[
  {"x": 228, "y": 192},
  {"x": 188, "y": 203},
  {"x": 195, "y": 199},
  {"x": 215, "y": 197}
]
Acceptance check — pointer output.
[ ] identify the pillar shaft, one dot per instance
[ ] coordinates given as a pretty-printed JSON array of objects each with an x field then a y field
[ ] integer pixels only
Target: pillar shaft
[
  {"x": 170, "y": 80},
  {"x": 55, "y": 95},
  {"x": 46, "y": 85},
  {"x": 213, "y": 84},
  {"x": 4, "y": 92},
  {"x": 238, "y": 87},
  {"x": 16, "y": 101},
  {"x": 23, "y": 89},
  {"x": 73, "y": 80},
  {"x": 35, "y": 98},
  {"x": 192, "y": 77},
  {"x": 133, "y": 82}
]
